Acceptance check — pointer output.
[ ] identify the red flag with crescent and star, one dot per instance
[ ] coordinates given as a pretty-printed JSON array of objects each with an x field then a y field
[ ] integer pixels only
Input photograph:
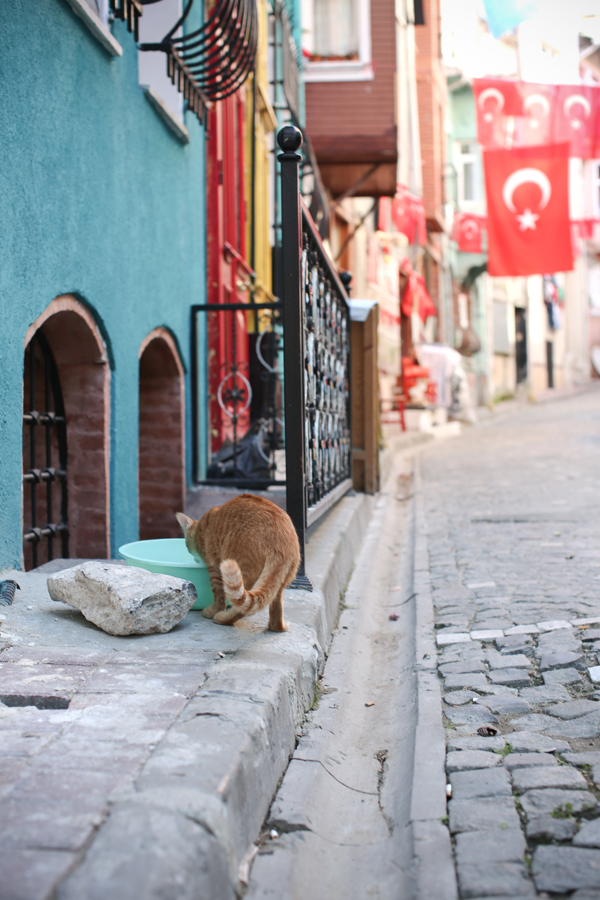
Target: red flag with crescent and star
[
  {"x": 467, "y": 231},
  {"x": 528, "y": 210}
]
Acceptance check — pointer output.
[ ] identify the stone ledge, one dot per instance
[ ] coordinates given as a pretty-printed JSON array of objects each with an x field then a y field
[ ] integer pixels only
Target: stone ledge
[{"x": 218, "y": 765}]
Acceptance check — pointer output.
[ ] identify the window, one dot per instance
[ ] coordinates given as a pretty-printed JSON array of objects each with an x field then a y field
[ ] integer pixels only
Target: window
[
  {"x": 336, "y": 40},
  {"x": 335, "y": 34},
  {"x": 100, "y": 7},
  {"x": 468, "y": 174},
  {"x": 596, "y": 189},
  {"x": 157, "y": 21}
]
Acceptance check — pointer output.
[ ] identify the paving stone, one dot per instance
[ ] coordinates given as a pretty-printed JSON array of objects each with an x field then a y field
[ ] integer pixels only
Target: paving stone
[
  {"x": 519, "y": 741},
  {"x": 545, "y": 693},
  {"x": 594, "y": 673},
  {"x": 536, "y": 721},
  {"x": 562, "y": 659},
  {"x": 480, "y": 783},
  {"x": 508, "y": 661},
  {"x": 562, "y": 869},
  {"x": 491, "y": 624},
  {"x": 460, "y": 760},
  {"x": 485, "y": 878},
  {"x": 477, "y": 681},
  {"x": 459, "y": 698},
  {"x": 521, "y": 629},
  {"x": 497, "y": 690},
  {"x": 464, "y": 666},
  {"x": 561, "y": 676},
  {"x": 588, "y": 835},
  {"x": 505, "y": 705},
  {"x": 514, "y": 643},
  {"x": 475, "y": 846},
  {"x": 547, "y": 828},
  {"x": 583, "y": 727},
  {"x": 485, "y": 634},
  {"x": 574, "y": 708},
  {"x": 593, "y": 634},
  {"x": 512, "y": 677},
  {"x": 565, "y": 639},
  {"x": 534, "y": 777},
  {"x": 470, "y": 715},
  {"x": 585, "y": 894},
  {"x": 536, "y": 803},
  {"x": 518, "y": 760},
  {"x": 476, "y": 742},
  {"x": 585, "y": 758},
  {"x": 32, "y": 874},
  {"x": 453, "y": 638},
  {"x": 553, "y": 625},
  {"x": 473, "y": 815}
]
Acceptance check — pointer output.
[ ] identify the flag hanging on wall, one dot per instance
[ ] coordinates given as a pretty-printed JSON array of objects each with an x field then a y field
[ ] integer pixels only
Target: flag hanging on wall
[
  {"x": 467, "y": 231},
  {"x": 528, "y": 210},
  {"x": 514, "y": 113}
]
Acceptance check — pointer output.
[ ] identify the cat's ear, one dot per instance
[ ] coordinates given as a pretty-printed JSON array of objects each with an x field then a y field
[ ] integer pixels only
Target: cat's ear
[{"x": 184, "y": 521}]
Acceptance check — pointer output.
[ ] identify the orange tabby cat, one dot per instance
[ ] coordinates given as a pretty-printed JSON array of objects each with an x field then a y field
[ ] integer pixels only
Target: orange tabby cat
[{"x": 252, "y": 553}]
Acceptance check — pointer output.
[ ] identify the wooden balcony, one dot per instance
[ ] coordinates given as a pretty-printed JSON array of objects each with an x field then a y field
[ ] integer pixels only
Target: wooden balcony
[{"x": 352, "y": 123}]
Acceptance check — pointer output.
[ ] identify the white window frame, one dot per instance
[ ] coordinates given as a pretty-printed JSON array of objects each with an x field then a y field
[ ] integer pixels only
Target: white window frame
[
  {"x": 98, "y": 25},
  {"x": 459, "y": 159},
  {"x": 595, "y": 184},
  {"x": 360, "y": 69},
  {"x": 162, "y": 95}
]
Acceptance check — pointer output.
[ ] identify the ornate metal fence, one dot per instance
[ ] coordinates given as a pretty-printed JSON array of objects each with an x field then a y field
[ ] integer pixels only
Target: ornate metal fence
[{"x": 316, "y": 359}]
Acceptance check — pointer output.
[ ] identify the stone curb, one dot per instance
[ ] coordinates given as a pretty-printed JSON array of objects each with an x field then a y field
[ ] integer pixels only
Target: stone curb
[
  {"x": 198, "y": 804},
  {"x": 434, "y": 871}
]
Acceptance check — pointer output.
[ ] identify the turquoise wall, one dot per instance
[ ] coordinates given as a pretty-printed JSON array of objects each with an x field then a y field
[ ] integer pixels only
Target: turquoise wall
[{"x": 97, "y": 198}]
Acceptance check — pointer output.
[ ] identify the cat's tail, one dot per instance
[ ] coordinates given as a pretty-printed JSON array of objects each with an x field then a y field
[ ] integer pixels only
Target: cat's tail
[{"x": 248, "y": 602}]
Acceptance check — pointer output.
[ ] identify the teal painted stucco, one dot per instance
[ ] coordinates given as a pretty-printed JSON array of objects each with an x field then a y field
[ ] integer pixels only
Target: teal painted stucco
[{"x": 97, "y": 198}]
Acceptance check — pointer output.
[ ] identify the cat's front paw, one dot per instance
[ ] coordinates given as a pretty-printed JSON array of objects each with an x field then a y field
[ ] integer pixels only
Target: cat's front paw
[
  {"x": 209, "y": 612},
  {"x": 278, "y": 626}
]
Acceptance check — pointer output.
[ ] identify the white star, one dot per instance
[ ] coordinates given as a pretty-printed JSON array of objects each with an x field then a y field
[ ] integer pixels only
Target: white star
[{"x": 526, "y": 220}]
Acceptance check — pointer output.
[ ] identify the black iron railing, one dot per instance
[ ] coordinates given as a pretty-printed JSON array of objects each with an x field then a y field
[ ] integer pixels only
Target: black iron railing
[
  {"x": 44, "y": 417},
  {"x": 316, "y": 359}
]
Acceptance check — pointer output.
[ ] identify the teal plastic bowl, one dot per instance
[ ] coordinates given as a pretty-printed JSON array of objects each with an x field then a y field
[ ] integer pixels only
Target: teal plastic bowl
[{"x": 169, "y": 556}]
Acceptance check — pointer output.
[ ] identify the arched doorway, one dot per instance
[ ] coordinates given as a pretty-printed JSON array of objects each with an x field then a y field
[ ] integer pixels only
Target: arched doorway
[
  {"x": 161, "y": 472},
  {"x": 65, "y": 436}
]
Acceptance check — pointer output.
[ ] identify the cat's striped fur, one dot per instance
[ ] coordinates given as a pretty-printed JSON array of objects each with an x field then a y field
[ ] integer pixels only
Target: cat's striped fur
[{"x": 252, "y": 553}]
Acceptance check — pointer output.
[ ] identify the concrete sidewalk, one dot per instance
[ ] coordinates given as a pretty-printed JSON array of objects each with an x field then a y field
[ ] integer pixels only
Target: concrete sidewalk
[{"x": 144, "y": 766}]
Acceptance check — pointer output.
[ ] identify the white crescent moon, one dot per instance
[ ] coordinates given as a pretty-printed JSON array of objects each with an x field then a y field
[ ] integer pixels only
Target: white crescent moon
[
  {"x": 537, "y": 100},
  {"x": 526, "y": 176},
  {"x": 577, "y": 100},
  {"x": 469, "y": 228},
  {"x": 491, "y": 92}
]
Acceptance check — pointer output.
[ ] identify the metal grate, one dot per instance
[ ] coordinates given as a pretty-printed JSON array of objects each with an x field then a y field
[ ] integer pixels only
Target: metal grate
[
  {"x": 43, "y": 390},
  {"x": 214, "y": 61},
  {"x": 326, "y": 369}
]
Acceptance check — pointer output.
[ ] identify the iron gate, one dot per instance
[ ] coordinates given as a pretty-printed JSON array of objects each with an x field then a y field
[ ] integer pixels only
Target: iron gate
[{"x": 42, "y": 389}]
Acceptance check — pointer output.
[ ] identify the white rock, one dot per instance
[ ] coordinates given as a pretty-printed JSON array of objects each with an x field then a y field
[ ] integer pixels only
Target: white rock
[
  {"x": 124, "y": 599},
  {"x": 487, "y": 634}
]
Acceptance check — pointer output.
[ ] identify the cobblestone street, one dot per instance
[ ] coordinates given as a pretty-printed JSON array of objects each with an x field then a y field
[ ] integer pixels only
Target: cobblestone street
[{"x": 513, "y": 531}]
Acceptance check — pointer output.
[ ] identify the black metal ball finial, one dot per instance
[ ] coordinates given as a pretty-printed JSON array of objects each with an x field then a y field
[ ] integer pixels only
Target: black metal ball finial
[{"x": 289, "y": 139}]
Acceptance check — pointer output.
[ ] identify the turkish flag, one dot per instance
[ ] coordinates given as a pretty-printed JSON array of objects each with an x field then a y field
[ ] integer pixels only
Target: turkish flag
[
  {"x": 466, "y": 231},
  {"x": 577, "y": 119},
  {"x": 408, "y": 215},
  {"x": 497, "y": 102},
  {"x": 528, "y": 210}
]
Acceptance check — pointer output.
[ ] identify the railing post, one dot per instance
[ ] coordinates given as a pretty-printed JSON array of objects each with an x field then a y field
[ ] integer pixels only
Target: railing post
[{"x": 290, "y": 140}]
